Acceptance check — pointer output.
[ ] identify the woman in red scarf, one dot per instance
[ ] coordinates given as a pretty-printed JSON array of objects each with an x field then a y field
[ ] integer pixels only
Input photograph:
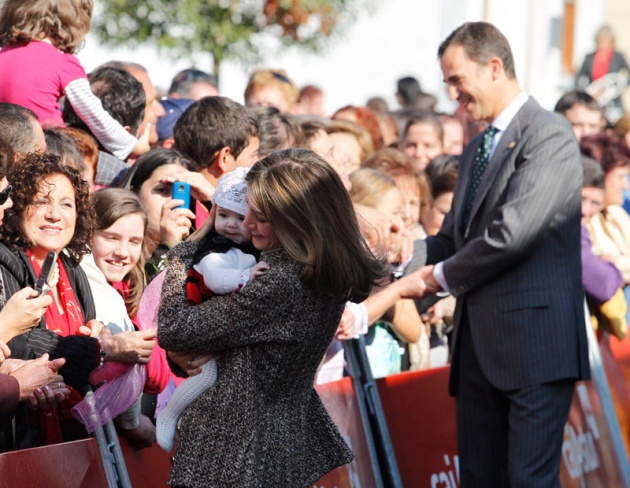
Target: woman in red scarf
[
  {"x": 596, "y": 65},
  {"x": 52, "y": 212}
]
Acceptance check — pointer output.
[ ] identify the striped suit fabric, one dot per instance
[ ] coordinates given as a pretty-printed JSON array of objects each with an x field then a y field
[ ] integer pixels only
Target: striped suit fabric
[{"x": 514, "y": 266}]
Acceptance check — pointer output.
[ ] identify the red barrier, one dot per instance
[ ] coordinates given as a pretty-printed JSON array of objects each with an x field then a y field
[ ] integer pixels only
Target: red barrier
[
  {"x": 78, "y": 464},
  {"x": 421, "y": 419},
  {"x": 341, "y": 403},
  {"x": 588, "y": 458}
]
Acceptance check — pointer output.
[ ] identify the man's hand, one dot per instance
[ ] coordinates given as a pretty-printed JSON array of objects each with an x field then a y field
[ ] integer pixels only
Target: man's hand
[
  {"x": 411, "y": 285},
  {"x": 429, "y": 279}
]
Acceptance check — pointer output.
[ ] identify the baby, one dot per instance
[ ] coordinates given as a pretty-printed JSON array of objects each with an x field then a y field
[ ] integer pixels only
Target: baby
[{"x": 224, "y": 263}]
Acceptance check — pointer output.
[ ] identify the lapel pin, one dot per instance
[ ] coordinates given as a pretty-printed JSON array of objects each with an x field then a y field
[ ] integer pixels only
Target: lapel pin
[{"x": 511, "y": 144}]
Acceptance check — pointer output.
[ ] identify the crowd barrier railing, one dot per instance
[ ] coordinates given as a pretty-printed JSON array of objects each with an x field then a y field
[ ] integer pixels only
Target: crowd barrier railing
[{"x": 420, "y": 425}]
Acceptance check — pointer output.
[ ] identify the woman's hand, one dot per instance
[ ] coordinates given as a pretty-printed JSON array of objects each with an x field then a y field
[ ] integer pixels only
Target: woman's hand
[
  {"x": 5, "y": 352},
  {"x": 128, "y": 347},
  {"x": 207, "y": 226},
  {"x": 258, "y": 270},
  {"x": 40, "y": 381},
  {"x": 92, "y": 329},
  {"x": 175, "y": 223},
  {"x": 200, "y": 188},
  {"x": 10, "y": 365},
  {"x": 345, "y": 330},
  {"x": 22, "y": 312},
  {"x": 190, "y": 363}
]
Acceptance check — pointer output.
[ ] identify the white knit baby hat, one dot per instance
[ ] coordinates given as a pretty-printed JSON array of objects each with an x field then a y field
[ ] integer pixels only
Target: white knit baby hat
[{"x": 231, "y": 191}]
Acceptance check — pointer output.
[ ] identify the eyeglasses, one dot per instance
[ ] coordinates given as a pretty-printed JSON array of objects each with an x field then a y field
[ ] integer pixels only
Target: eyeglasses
[{"x": 4, "y": 194}]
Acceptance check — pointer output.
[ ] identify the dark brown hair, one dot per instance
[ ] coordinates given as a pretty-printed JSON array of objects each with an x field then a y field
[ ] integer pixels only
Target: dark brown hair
[
  {"x": 64, "y": 22},
  {"x": 27, "y": 178},
  {"x": 608, "y": 150},
  {"x": 481, "y": 41},
  {"x": 310, "y": 211},
  {"x": 210, "y": 124}
]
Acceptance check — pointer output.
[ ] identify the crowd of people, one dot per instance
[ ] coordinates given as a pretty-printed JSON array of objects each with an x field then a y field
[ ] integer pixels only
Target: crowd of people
[{"x": 319, "y": 242}]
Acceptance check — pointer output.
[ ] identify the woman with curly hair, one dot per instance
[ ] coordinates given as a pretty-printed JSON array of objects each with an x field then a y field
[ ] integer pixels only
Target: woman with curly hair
[{"x": 52, "y": 212}]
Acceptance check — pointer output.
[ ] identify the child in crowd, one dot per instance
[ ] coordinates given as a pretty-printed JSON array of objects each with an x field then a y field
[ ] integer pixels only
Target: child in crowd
[
  {"x": 38, "y": 39},
  {"x": 225, "y": 262}
]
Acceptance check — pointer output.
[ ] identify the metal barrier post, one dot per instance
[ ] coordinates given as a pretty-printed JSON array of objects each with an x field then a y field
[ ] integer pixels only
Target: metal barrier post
[
  {"x": 373, "y": 417},
  {"x": 111, "y": 455}
]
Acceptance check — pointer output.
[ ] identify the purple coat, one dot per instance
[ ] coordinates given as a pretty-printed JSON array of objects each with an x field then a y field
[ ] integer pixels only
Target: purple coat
[{"x": 600, "y": 278}]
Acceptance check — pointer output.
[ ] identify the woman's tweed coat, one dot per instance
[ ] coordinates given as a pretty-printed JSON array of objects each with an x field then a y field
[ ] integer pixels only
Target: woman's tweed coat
[{"x": 262, "y": 424}]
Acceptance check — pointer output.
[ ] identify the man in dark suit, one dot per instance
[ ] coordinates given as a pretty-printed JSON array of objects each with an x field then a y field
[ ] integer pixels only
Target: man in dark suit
[{"x": 509, "y": 250}]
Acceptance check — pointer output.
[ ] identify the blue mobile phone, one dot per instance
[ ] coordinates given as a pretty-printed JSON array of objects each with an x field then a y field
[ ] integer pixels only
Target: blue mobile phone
[{"x": 181, "y": 191}]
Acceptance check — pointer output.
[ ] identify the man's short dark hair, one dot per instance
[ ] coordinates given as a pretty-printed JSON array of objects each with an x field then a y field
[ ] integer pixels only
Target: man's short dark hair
[
  {"x": 577, "y": 97},
  {"x": 184, "y": 81},
  {"x": 424, "y": 118},
  {"x": 211, "y": 124},
  {"x": 16, "y": 127},
  {"x": 120, "y": 93},
  {"x": 481, "y": 41},
  {"x": 408, "y": 88}
]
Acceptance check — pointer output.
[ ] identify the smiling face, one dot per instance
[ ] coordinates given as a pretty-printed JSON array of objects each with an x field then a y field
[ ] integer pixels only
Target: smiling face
[
  {"x": 469, "y": 82},
  {"x": 117, "y": 249},
  {"x": 230, "y": 224},
  {"x": 422, "y": 142},
  {"x": 49, "y": 222},
  {"x": 263, "y": 236}
]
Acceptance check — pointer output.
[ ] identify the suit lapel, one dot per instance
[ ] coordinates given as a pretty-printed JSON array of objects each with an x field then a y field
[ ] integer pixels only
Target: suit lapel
[{"x": 506, "y": 145}]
